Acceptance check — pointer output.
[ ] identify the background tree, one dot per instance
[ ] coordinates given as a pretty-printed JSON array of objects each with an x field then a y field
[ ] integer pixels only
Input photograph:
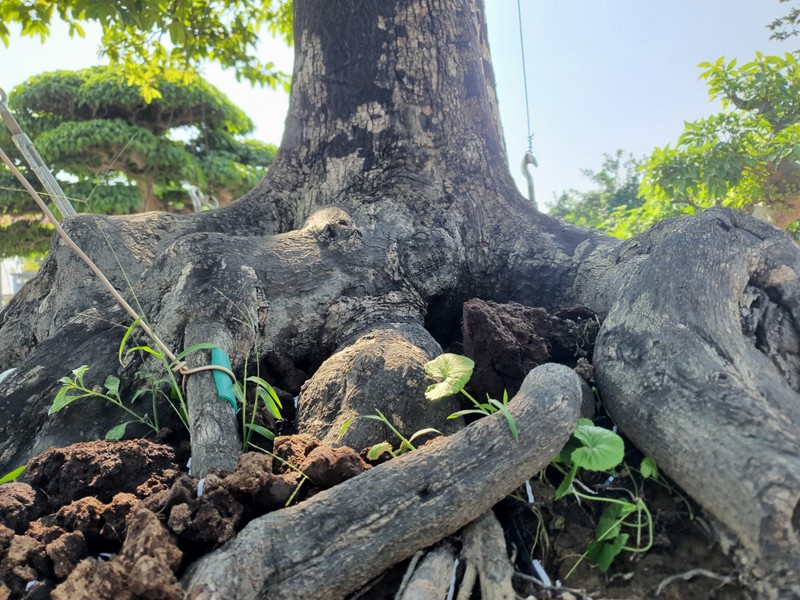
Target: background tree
[
  {"x": 786, "y": 26},
  {"x": 616, "y": 188},
  {"x": 116, "y": 153},
  {"x": 134, "y": 34},
  {"x": 745, "y": 157}
]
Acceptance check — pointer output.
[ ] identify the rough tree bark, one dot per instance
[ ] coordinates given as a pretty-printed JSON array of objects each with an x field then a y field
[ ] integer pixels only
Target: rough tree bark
[{"x": 388, "y": 205}]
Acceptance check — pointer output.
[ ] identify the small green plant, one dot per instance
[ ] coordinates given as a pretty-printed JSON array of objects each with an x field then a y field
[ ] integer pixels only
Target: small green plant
[
  {"x": 593, "y": 448},
  {"x": 12, "y": 476},
  {"x": 166, "y": 387},
  {"x": 73, "y": 388},
  {"x": 406, "y": 444},
  {"x": 453, "y": 371},
  {"x": 264, "y": 393}
]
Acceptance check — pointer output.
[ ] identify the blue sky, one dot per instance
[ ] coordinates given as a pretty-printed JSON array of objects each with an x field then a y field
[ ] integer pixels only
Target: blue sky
[
  {"x": 602, "y": 74},
  {"x": 609, "y": 74}
]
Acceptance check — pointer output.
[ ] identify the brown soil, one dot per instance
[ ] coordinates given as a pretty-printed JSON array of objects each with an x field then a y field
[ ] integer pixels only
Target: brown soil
[{"x": 120, "y": 520}]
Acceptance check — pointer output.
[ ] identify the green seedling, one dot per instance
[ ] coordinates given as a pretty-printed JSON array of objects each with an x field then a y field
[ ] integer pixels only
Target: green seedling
[
  {"x": 376, "y": 451},
  {"x": 265, "y": 393},
  {"x": 590, "y": 448},
  {"x": 453, "y": 371},
  {"x": 73, "y": 388},
  {"x": 12, "y": 476}
]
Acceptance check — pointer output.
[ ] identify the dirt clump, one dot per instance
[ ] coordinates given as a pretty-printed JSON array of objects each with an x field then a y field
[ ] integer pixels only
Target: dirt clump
[
  {"x": 326, "y": 467},
  {"x": 256, "y": 484},
  {"x": 66, "y": 552},
  {"x": 506, "y": 341},
  {"x": 100, "y": 469},
  {"x": 144, "y": 568},
  {"x": 208, "y": 520},
  {"x": 19, "y": 505}
]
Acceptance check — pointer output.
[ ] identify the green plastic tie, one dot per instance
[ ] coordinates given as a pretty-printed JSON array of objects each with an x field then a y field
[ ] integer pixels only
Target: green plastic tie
[{"x": 222, "y": 379}]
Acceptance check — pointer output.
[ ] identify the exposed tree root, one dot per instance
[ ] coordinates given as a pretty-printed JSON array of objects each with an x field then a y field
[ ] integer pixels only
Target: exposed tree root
[
  {"x": 723, "y": 421},
  {"x": 485, "y": 550},
  {"x": 343, "y": 537},
  {"x": 431, "y": 579}
]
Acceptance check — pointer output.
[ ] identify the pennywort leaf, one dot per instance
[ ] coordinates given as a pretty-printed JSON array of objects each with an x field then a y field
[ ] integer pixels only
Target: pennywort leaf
[
  {"x": 452, "y": 371},
  {"x": 603, "y": 553},
  {"x": 601, "y": 449},
  {"x": 649, "y": 468}
]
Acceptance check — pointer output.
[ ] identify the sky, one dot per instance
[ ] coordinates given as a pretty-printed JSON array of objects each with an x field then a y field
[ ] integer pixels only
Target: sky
[{"x": 602, "y": 75}]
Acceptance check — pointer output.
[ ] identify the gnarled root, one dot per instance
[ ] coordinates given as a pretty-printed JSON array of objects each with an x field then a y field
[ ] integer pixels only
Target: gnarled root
[
  {"x": 700, "y": 366},
  {"x": 341, "y": 538}
]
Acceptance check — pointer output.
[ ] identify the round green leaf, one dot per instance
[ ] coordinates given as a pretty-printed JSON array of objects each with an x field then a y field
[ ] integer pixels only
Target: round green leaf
[
  {"x": 601, "y": 450},
  {"x": 452, "y": 371}
]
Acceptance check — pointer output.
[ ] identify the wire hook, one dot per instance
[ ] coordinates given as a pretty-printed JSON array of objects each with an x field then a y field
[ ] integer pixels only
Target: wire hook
[{"x": 527, "y": 161}]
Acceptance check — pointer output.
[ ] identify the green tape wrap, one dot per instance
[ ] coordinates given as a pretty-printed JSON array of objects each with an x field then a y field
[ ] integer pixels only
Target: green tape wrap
[{"x": 222, "y": 379}]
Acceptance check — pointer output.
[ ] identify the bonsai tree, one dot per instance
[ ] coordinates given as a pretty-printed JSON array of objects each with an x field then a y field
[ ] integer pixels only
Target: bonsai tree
[{"x": 116, "y": 153}]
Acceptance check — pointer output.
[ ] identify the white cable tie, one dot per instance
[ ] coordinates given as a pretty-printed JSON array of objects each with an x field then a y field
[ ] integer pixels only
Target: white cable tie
[
  {"x": 541, "y": 573},
  {"x": 530, "y": 491},
  {"x": 452, "y": 590}
]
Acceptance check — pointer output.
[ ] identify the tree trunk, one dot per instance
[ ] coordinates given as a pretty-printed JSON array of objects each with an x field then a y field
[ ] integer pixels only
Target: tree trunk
[{"x": 388, "y": 205}]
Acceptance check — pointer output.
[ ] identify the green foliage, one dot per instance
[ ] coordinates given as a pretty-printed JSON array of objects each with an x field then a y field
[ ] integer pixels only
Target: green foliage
[
  {"x": 73, "y": 388},
  {"x": 742, "y": 157},
  {"x": 592, "y": 448},
  {"x": 786, "y": 26},
  {"x": 649, "y": 468},
  {"x": 158, "y": 41},
  {"x": 454, "y": 371},
  {"x": 23, "y": 237},
  {"x": 113, "y": 152},
  {"x": 165, "y": 387},
  {"x": 616, "y": 187},
  {"x": 264, "y": 393}
]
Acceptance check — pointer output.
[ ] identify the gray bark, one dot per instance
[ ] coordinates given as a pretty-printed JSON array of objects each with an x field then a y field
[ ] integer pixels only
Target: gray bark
[
  {"x": 432, "y": 577},
  {"x": 700, "y": 366},
  {"x": 341, "y": 538},
  {"x": 355, "y": 380},
  {"x": 486, "y": 555}
]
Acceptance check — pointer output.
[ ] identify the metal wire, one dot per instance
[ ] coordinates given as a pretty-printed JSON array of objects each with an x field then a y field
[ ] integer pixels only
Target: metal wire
[{"x": 524, "y": 76}]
